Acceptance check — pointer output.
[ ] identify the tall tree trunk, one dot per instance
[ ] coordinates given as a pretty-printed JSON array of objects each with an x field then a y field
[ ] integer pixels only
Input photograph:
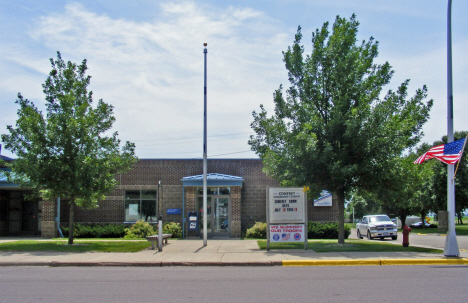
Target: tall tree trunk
[
  {"x": 402, "y": 215},
  {"x": 338, "y": 197},
  {"x": 70, "y": 222},
  {"x": 423, "y": 219}
]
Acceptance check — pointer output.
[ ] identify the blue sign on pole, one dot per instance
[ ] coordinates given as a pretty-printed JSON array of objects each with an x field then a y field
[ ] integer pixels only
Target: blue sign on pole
[{"x": 174, "y": 211}]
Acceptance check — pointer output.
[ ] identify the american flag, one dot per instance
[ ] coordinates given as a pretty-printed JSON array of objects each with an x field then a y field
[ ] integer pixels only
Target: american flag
[
  {"x": 286, "y": 237},
  {"x": 448, "y": 153}
]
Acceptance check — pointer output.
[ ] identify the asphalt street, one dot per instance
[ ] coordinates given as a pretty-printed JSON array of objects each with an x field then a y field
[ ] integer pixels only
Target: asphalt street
[{"x": 235, "y": 284}]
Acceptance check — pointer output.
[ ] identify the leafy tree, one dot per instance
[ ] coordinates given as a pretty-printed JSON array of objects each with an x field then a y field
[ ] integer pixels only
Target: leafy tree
[
  {"x": 333, "y": 130},
  {"x": 409, "y": 192},
  {"x": 66, "y": 153},
  {"x": 362, "y": 205}
]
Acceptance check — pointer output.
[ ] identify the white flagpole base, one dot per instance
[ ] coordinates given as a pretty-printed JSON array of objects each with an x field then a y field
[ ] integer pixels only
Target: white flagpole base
[{"x": 451, "y": 245}]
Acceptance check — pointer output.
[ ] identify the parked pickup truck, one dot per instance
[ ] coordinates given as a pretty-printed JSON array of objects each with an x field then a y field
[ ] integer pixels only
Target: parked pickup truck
[{"x": 377, "y": 226}]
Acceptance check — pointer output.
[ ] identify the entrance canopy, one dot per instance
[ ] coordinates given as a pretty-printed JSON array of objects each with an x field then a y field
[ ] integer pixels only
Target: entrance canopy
[{"x": 213, "y": 179}]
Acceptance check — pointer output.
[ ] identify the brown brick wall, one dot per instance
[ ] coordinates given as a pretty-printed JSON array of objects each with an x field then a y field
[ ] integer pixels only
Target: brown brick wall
[
  {"x": 49, "y": 229},
  {"x": 248, "y": 202},
  {"x": 322, "y": 213},
  {"x": 252, "y": 200},
  {"x": 108, "y": 211},
  {"x": 171, "y": 198}
]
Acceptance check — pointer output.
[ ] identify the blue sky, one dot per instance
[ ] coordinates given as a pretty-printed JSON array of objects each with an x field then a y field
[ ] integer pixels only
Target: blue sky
[{"x": 146, "y": 58}]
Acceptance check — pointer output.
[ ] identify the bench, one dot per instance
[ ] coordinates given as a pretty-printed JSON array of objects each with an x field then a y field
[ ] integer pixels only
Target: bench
[{"x": 154, "y": 238}]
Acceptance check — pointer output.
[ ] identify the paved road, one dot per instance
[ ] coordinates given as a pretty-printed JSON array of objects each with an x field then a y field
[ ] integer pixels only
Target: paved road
[
  {"x": 418, "y": 238},
  {"x": 238, "y": 284}
]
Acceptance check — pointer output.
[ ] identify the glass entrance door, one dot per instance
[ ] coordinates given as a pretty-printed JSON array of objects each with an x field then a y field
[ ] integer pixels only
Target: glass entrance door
[{"x": 218, "y": 216}]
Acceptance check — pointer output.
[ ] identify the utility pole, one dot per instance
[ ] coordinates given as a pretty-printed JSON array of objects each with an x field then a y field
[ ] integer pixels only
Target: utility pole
[{"x": 205, "y": 236}]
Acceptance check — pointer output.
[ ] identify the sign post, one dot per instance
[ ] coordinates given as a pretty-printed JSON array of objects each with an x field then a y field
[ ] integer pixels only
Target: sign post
[
  {"x": 286, "y": 215},
  {"x": 160, "y": 228}
]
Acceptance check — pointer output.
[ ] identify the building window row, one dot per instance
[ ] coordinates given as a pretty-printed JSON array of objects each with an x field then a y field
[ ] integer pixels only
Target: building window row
[{"x": 141, "y": 205}]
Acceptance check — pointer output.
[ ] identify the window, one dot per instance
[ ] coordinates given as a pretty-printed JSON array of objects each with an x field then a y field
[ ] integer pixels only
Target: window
[
  {"x": 140, "y": 205},
  {"x": 214, "y": 190}
]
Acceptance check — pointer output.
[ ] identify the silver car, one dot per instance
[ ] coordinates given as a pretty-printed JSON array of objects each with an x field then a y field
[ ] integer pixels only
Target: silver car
[{"x": 377, "y": 226}]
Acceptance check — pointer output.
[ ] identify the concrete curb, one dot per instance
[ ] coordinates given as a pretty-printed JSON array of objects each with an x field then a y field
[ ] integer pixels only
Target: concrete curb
[
  {"x": 454, "y": 261},
  {"x": 5, "y": 264},
  {"x": 330, "y": 262},
  {"x": 140, "y": 264},
  {"x": 367, "y": 262}
]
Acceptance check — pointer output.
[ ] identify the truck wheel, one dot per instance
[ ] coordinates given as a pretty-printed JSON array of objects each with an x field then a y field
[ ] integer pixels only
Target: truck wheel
[
  {"x": 359, "y": 234},
  {"x": 368, "y": 235},
  {"x": 394, "y": 237}
]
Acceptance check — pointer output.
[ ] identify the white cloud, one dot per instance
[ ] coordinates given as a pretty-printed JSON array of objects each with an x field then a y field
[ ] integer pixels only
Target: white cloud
[{"x": 152, "y": 72}]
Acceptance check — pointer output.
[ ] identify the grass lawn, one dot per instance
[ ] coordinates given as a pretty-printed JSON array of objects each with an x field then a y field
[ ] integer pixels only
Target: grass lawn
[
  {"x": 78, "y": 246},
  {"x": 350, "y": 245}
]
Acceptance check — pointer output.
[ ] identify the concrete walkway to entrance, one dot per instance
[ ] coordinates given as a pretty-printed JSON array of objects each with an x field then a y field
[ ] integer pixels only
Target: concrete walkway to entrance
[{"x": 226, "y": 252}]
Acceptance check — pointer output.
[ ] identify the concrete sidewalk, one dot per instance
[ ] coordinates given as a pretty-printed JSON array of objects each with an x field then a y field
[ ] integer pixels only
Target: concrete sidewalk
[{"x": 226, "y": 252}]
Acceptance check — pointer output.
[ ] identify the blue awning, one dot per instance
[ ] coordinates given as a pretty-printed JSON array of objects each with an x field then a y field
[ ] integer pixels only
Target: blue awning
[{"x": 213, "y": 179}]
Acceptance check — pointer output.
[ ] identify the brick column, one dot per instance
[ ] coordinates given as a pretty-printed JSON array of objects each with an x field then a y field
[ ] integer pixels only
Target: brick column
[
  {"x": 189, "y": 207},
  {"x": 236, "y": 212},
  {"x": 190, "y": 199},
  {"x": 49, "y": 226}
]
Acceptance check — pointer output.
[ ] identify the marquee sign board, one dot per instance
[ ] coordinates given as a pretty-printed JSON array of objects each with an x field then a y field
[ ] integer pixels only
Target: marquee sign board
[
  {"x": 286, "y": 205},
  {"x": 286, "y": 215}
]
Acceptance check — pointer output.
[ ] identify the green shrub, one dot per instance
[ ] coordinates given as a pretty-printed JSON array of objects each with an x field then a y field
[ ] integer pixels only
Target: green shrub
[
  {"x": 172, "y": 228},
  {"x": 114, "y": 231},
  {"x": 64, "y": 231},
  {"x": 258, "y": 231},
  {"x": 326, "y": 230},
  {"x": 96, "y": 231},
  {"x": 140, "y": 229}
]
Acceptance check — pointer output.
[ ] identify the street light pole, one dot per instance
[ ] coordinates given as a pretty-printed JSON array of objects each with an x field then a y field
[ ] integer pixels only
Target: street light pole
[
  {"x": 205, "y": 51},
  {"x": 451, "y": 245}
]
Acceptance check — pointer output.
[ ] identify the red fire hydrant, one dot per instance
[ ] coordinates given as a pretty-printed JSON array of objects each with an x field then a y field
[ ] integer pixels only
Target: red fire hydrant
[{"x": 406, "y": 231}]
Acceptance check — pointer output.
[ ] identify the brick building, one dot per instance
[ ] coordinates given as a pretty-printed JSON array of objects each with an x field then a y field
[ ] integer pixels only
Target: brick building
[
  {"x": 173, "y": 187},
  {"x": 20, "y": 211}
]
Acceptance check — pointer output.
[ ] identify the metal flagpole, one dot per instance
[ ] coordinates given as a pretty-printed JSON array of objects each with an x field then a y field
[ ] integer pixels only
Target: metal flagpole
[
  {"x": 205, "y": 51},
  {"x": 451, "y": 245}
]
